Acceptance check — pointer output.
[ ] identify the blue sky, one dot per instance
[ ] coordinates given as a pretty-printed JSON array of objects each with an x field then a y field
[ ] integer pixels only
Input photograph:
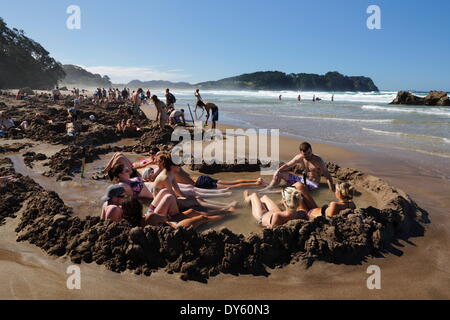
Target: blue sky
[{"x": 201, "y": 40}]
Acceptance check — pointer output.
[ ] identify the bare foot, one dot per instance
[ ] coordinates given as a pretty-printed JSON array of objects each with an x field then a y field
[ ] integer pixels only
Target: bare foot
[
  {"x": 232, "y": 204},
  {"x": 261, "y": 182},
  {"x": 231, "y": 210}
]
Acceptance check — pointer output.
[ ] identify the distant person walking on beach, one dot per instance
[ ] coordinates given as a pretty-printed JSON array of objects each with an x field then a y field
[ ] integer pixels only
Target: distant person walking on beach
[
  {"x": 161, "y": 111},
  {"x": 124, "y": 94},
  {"x": 148, "y": 94},
  {"x": 279, "y": 97},
  {"x": 299, "y": 98},
  {"x": 332, "y": 97},
  {"x": 170, "y": 99},
  {"x": 313, "y": 166},
  {"x": 211, "y": 109},
  {"x": 197, "y": 95},
  {"x": 136, "y": 99},
  {"x": 314, "y": 98}
]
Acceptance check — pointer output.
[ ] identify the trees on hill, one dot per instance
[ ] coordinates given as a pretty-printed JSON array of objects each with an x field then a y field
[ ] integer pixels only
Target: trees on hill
[{"x": 24, "y": 62}]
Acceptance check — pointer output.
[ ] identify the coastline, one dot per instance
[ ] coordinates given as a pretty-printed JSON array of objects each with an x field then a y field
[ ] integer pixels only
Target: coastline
[{"x": 25, "y": 266}]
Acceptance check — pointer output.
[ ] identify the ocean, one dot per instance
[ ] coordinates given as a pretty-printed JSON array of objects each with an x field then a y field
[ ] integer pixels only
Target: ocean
[{"x": 353, "y": 119}]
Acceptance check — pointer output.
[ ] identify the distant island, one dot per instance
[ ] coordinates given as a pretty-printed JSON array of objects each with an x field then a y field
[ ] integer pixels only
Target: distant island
[{"x": 276, "y": 80}]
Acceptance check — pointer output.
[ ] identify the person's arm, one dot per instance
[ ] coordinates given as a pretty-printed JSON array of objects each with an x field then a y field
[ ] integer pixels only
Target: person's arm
[
  {"x": 332, "y": 210},
  {"x": 115, "y": 214},
  {"x": 184, "y": 120},
  {"x": 289, "y": 164},
  {"x": 328, "y": 176},
  {"x": 177, "y": 190}
]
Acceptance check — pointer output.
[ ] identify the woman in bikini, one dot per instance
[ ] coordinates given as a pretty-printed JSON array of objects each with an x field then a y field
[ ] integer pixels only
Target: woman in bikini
[
  {"x": 166, "y": 180},
  {"x": 344, "y": 194},
  {"x": 134, "y": 187},
  {"x": 132, "y": 212},
  {"x": 267, "y": 212}
]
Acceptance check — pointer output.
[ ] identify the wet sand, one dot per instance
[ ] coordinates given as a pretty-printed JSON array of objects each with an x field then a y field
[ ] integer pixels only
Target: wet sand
[{"x": 418, "y": 270}]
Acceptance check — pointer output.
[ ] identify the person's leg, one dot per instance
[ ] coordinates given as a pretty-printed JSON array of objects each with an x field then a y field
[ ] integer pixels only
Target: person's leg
[
  {"x": 209, "y": 204},
  {"x": 165, "y": 203},
  {"x": 308, "y": 201},
  {"x": 255, "y": 201},
  {"x": 258, "y": 183},
  {"x": 233, "y": 182},
  {"x": 207, "y": 193},
  {"x": 276, "y": 180},
  {"x": 270, "y": 204},
  {"x": 198, "y": 221}
]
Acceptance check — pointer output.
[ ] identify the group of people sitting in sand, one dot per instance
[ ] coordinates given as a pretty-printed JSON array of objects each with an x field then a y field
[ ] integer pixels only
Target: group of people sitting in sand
[{"x": 173, "y": 193}]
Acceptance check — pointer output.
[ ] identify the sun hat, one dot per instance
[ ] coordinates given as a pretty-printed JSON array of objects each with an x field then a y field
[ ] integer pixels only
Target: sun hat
[{"x": 114, "y": 190}]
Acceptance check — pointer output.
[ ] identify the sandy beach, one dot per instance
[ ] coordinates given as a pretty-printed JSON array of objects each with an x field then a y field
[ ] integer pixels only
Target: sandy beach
[{"x": 418, "y": 269}]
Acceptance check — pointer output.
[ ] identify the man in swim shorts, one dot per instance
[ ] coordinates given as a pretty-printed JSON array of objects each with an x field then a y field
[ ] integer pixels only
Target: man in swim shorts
[{"x": 314, "y": 168}]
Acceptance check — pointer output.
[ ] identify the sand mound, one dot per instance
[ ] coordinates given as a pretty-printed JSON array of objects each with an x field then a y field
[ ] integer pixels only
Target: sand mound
[{"x": 347, "y": 238}]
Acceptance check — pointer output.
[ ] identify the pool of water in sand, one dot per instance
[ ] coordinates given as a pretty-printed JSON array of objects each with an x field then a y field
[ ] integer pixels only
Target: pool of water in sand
[{"x": 83, "y": 194}]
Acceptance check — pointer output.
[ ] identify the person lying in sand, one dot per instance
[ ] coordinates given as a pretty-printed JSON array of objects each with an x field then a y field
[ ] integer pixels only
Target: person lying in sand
[
  {"x": 344, "y": 194},
  {"x": 134, "y": 187},
  {"x": 314, "y": 168},
  {"x": 132, "y": 209},
  {"x": 72, "y": 128},
  {"x": 202, "y": 182},
  {"x": 113, "y": 201},
  {"x": 6, "y": 123},
  {"x": 6, "y": 179},
  {"x": 145, "y": 162},
  {"x": 130, "y": 126},
  {"x": 267, "y": 212},
  {"x": 120, "y": 158},
  {"x": 186, "y": 189}
]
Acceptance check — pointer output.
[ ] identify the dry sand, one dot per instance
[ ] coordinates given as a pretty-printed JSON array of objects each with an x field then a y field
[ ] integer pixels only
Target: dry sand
[{"x": 419, "y": 270}]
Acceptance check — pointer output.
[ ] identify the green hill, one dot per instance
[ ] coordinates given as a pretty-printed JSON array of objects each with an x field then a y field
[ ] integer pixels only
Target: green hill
[
  {"x": 24, "y": 62},
  {"x": 275, "y": 80},
  {"x": 79, "y": 77}
]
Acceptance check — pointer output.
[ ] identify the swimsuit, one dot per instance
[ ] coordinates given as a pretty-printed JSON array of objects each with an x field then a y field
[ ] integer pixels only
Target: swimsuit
[
  {"x": 215, "y": 114},
  {"x": 293, "y": 179},
  {"x": 136, "y": 185}
]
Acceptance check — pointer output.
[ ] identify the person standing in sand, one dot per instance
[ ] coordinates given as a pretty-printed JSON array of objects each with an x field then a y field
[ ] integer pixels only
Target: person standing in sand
[
  {"x": 211, "y": 109},
  {"x": 197, "y": 95},
  {"x": 161, "y": 111},
  {"x": 170, "y": 99},
  {"x": 313, "y": 165}
]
